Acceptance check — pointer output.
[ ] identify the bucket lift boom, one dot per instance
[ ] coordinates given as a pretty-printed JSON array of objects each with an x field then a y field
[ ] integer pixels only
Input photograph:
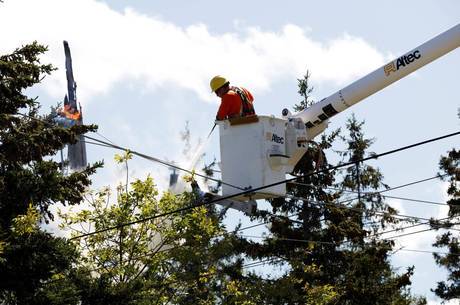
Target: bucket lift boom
[
  {"x": 263, "y": 150},
  {"x": 377, "y": 80}
]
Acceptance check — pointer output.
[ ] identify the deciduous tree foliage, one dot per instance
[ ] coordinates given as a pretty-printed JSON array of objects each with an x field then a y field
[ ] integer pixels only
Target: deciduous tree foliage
[
  {"x": 182, "y": 258},
  {"x": 30, "y": 182}
]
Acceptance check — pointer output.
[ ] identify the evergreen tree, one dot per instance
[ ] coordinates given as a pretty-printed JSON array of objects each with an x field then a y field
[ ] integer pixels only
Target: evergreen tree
[
  {"x": 305, "y": 90},
  {"x": 450, "y": 289},
  {"x": 324, "y": 238},
  {"x": 368, "y": 277},
  {"x": 30, "y": 184}
]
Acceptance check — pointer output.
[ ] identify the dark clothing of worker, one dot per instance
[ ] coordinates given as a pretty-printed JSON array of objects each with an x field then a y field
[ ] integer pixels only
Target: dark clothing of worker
[{"x": 236, "y": 102}]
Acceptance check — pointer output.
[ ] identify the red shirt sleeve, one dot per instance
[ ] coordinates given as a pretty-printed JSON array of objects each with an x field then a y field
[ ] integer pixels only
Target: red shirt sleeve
[
  {"x": 230, "y": 105},
  {"x": 223, "y": 110}
]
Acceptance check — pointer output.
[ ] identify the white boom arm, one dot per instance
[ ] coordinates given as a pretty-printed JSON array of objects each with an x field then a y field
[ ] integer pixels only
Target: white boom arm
[
  {"x": 261, "y": 152},
  {"x": 377, "y": 80}
]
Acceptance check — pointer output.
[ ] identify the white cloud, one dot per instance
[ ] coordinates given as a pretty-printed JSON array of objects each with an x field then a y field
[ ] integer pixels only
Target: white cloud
[{"x": 110, "y": 48}]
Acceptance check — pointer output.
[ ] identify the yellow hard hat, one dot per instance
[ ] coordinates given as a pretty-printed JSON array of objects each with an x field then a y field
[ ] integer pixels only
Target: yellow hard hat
[{"x": 217, "y": 82}]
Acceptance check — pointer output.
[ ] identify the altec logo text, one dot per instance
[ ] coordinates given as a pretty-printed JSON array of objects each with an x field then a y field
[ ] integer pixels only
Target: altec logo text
[
  {"x": 401, "y": 62},
  {"x": 274, "y": 138}
]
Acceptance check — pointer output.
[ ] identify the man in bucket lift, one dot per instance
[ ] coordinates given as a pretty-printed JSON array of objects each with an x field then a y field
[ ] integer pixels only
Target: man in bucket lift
[{"x": 235, "y": 101}]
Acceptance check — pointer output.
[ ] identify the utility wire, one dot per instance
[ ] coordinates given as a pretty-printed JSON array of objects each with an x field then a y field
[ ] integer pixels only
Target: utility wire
[
  {"x": 410, "y": 233},
  {"x": 250, "y": 191},
  {"x": 112, "y": 145},
  {"x": 385, "y": 190},
  {"x": 292, "y": 179},
  {"x": 427, "y": 251},
  {"x": 234, "y": 233},
  {"x": 150, "y": 158},
  {"x": 389, "y": 189},
  {"x": 348, "y": 200},
  {"x": 337, "y": 244},
  {"x": 383, "y": 213},
  {"x": 97, "y": 144},
  {"x": 417, "y": 200},
  {"x": 102, "y": 136},
  {"x": 373, "y": 235},
  {"x": 263, "y": 262},
  {"x": 415, "y": 182},
  {"x": 247, "y": 192},
  {"x": 254, "y": 264}
]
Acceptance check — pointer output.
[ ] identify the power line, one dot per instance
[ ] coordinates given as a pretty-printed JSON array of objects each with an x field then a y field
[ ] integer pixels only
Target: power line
[
  {"x": 157, "y": 160},
  {"x": 150, "y": 158},
  {"x": 412, "y": 226},
  {"x": 97, "y": 144},
  {"x": 248, "y": 192},
  {"x": 386, "y": 190},
  {"x": 348, "y": 200},
  {"x": 262, "y": 262},
  {"x": 383, "y": 213},
  {"x": 394, "y": 215},
  {"x": 417, "y": 200},
  {"x": 254, "y": 264},
  {"x": 412, "y": 183},
  {"x": 234, "y": 233},
  {"x": 410, "y": 233},
  {"x": 338, "y": 244},
  {"x": 427, "y": 251},
  {"x": 379, "y": 192},
  {"x": 102, "y": 136}
]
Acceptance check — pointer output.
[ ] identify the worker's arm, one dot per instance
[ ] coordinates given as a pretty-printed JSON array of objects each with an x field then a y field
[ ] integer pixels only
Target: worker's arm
[{"x": 223, "y": 110}]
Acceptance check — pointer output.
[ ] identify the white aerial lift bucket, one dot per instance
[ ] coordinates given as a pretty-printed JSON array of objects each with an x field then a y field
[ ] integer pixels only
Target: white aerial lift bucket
[{"x": 257, "y": 151}]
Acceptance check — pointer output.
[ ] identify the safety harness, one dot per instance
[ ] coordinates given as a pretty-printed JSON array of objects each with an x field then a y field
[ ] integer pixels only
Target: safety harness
[{"x": 247, "y": 107}]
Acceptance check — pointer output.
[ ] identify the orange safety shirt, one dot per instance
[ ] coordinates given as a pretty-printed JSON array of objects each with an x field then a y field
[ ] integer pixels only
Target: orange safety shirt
[{"x": 231, "y": 104}]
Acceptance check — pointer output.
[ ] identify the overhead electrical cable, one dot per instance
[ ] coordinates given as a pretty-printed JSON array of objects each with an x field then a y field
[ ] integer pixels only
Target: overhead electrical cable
[
  {"x": 417, "y": 200},
  {"x": 150, "y": 158},
  {"x": 383, "y": 213},
  {"x": 276, "y": 183},
  {"x": 411, "y": 233},
  {"x": 275, "y": 260},
  {"x": 337, "y": 244},
  {"x": 375, "y": 156},
  {"x": 170, "y": 164},
  {"x": 250, "y": 191},
  {"x": 413, "y": 226},
  {"x": 348, "y": 200},
  {"x": 382, "y": 191}
]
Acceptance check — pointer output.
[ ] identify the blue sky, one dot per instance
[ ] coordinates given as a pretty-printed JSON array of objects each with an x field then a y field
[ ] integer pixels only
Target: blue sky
[{"x": 143, "y": 67}]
